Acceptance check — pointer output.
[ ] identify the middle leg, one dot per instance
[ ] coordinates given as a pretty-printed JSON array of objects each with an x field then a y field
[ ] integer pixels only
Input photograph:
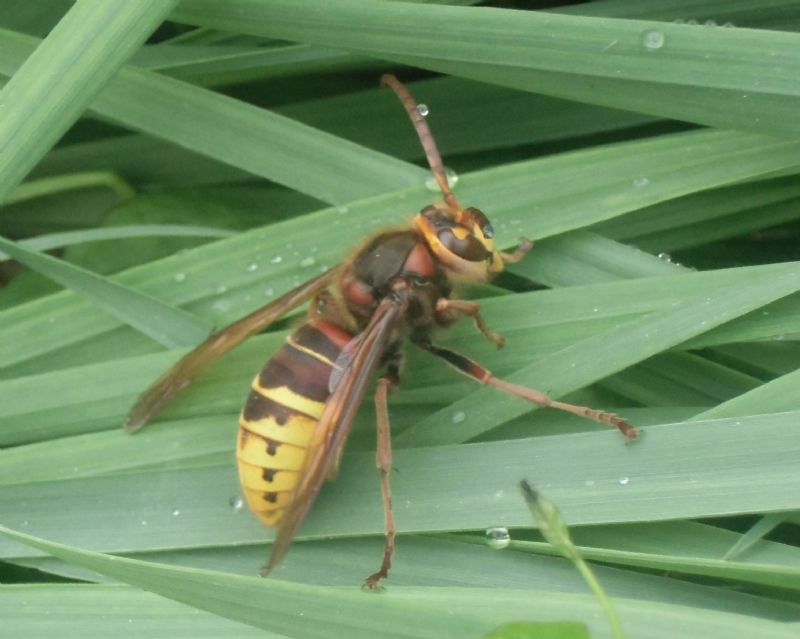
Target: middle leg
[
  {"x": 383, "y": 460},
  {"x": 480, "y": 374}
]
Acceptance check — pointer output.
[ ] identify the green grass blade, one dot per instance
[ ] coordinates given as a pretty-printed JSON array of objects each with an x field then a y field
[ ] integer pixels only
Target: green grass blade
[
  {"x": 167, "y": 325},
  {"x": 538, "y": 198},
  {"x": 670, "y": 70},
  {"x": 70, "y": 238},
  {"x": 400, "y": 612},
  {"x": 605, "y": 353},
  {"x": 329, "y": 168},
  {"x": 746, "y": 464},
  {"x": 65, "y": 73}
]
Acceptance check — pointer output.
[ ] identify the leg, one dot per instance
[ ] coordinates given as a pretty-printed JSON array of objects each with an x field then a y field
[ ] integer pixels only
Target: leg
[
  {"x": 525, "y": 245},
  {"x": 446, "y": 309},
  {"x": 478, "y": 373},
  {"x": 383, "y": 459}
]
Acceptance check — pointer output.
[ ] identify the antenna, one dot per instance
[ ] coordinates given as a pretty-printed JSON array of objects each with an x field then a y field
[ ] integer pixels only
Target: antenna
[{"x": 426, "y": 139}]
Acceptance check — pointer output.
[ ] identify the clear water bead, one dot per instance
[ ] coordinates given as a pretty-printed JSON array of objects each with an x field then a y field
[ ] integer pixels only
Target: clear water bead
[
  {"x": 497, "y": 538},
  {"x": 652, "y": 39},
  {"x": 452, "y": 179}
]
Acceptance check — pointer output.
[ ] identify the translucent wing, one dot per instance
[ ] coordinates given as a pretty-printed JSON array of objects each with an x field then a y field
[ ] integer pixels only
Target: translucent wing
[
  {"x": 165, "y": 388},
  {"x": 336, "y": 419}
]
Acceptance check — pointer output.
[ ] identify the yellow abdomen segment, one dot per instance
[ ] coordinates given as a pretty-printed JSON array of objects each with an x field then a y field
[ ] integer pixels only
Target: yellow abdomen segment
[{"x": 285, "y": 402}]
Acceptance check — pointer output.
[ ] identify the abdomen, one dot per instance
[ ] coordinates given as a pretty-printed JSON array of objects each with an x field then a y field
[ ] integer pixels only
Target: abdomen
[{"x": 285, "y": 402}]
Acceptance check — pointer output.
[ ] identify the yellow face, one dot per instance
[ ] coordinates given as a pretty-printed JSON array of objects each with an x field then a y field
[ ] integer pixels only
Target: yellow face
[{"x": 465, "y": 246}]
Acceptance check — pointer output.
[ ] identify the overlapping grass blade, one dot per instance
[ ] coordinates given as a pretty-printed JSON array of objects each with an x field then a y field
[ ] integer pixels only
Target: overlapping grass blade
[
  {"x": 169, "y": 326},
  {"x": 522, "y": 198},
  {"x": 746, "y": 464},
  {"x": 64, "y": 74},
  {"x": 402, "y": 612},
  {"x": 670, "y": 70},
  {"x": 240, "y": 134}
]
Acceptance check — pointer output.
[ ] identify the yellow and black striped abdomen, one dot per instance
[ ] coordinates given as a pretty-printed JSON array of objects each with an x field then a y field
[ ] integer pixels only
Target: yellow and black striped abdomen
[{"x": 285, "y": 402}]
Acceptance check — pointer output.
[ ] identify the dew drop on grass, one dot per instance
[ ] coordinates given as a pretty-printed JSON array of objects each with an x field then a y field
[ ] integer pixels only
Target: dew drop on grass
[
  {"x": 452, "y": 179},
  {"x": 652, "y": 39},
  {"x": 497, "y": 538}
]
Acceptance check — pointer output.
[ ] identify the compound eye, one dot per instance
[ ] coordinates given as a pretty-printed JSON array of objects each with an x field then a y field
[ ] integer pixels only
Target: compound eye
[
  {"x": 481, "y": 221},
  {"x": 461, "y": 242}
]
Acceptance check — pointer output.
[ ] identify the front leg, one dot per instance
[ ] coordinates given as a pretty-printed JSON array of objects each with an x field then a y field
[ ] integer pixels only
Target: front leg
[
  {"x": 477, "y": 372},
  {"x": 446, "y": 310}
]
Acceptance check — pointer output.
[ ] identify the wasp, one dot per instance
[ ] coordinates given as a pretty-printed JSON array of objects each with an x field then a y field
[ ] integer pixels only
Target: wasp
[{"x": 395, "y": 287}]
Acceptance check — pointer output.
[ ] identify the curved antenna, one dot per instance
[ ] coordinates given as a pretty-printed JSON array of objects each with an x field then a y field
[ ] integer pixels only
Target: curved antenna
[{"x": 425, "y": 138}]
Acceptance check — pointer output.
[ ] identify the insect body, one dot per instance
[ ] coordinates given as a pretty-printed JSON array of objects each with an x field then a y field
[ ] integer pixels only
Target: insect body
[
  {"x": 395, "y": 287},
  {"x": 283, "y": 409}
]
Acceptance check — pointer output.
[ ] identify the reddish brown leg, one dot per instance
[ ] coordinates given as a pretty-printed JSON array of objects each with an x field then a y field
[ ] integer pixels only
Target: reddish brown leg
[
  {"x": 480, "y": 374},
  {"x": 473, "y": 310},
  {"x": 383, "y": 459}
]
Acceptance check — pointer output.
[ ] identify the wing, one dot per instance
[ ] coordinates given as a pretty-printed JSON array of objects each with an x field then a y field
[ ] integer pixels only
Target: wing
[
  {"x": 336, "y": 419},
  {"x": 165, "y": 388}
]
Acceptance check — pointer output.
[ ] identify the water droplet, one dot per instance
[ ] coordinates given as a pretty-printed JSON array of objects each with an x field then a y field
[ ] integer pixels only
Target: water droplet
[
  {"x": 641, "y": 181},
  {"x": 692, "y": 21},
  {"x": 666, "y": 257},
  {"x": 452, "y": 179},
  {"x": 175, "y": 512},
  {"x": 679, "y": 21},
  {"x": 220, "y": 306},
  {"x": 653, "y": 39},
  {"x": 144, "y": 522},
  {"x": 276, "y": 260},
  {"x": 589, "y": 483},
  {"x": 777, "y": 338},
  {"x": 269, "y": 291},
  {"x": 23, "y": 523},
  {"x": 624, "y": 480},
  {"x": 497, "y": 538},
  {"x": 459, "y": 417},
  {"x": 710, "y": 23},
  {"x": 341, "y": 210},
  {"x": 423, "y": 110},
  {"x": 221, "y": 289},
  {"x": 252, "y": 267},
  {"x": 179, "y": 277},
  {"x": 236, "y": 502},
  {"x": 729, "y": 25},
  {"x": 595, "y": 310},
  {"x": 307, "y": 261}
]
